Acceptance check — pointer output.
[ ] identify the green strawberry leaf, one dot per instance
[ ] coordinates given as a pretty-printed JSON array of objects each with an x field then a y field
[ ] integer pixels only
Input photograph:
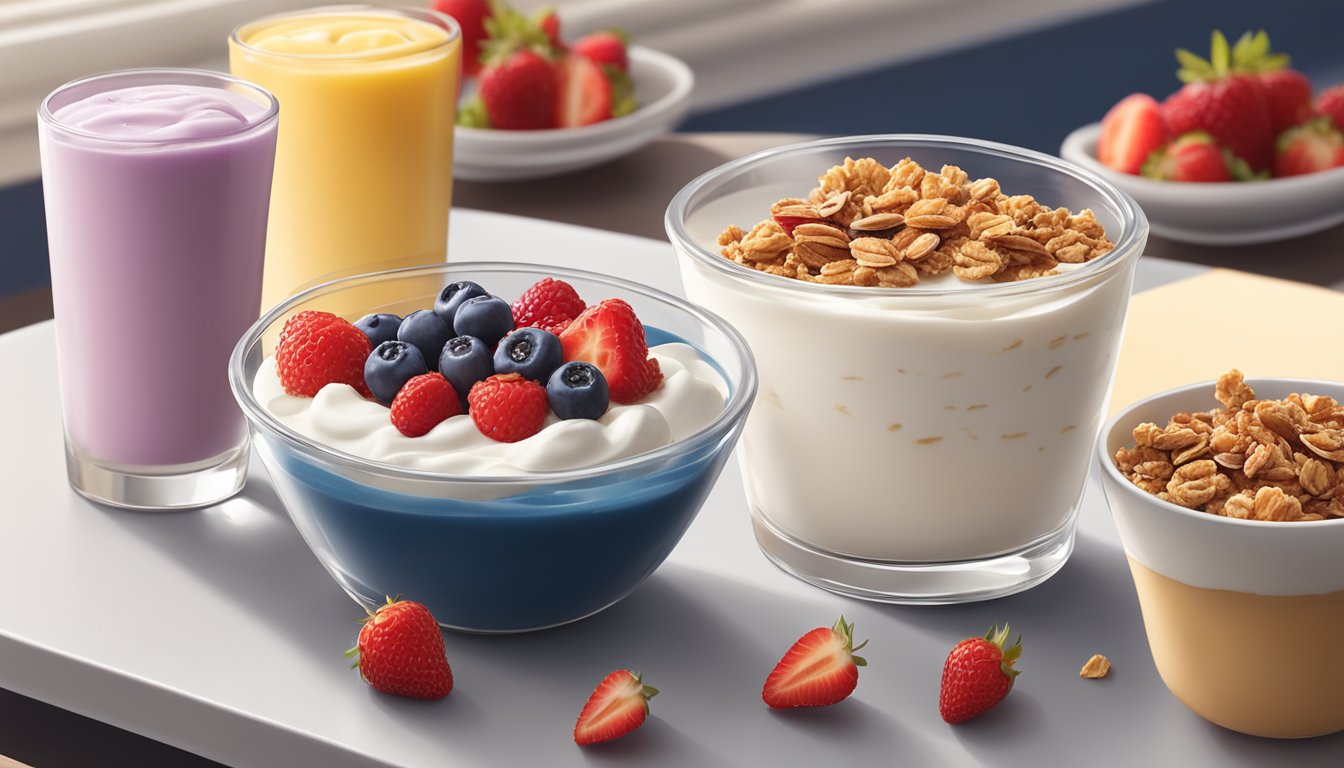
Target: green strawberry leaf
[
  {"x": 1220, "y": 55},
  {"x": 473, "y": 114},
  {"x": 622, "y": 91}
]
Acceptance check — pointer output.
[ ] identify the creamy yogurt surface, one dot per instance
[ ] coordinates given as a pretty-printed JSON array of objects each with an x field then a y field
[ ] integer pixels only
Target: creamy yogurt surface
[
  {"x": 161, "y": 112},
  {"x": 692, "y": 395}
]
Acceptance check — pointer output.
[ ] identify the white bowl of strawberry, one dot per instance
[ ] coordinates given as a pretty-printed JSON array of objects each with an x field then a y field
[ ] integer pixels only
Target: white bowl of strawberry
[
  {"x": 546, "y": 461},
  {"x": 533, "y": 104},
  {"x": 1241, "y": 154}
]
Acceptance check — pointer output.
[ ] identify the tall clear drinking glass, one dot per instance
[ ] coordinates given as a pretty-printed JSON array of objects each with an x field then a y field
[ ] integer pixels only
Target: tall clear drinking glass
[
  {"x": 364, "y": 169},
  {"x": 157, "y": 183}
]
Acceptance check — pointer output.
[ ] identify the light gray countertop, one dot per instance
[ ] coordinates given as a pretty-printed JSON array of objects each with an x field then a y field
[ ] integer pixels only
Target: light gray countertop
[{"x": 217, "y": 630}]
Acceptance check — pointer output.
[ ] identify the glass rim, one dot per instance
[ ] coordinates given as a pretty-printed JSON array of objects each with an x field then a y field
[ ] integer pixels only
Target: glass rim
[
  {"x": 1133, "y": 223},
  {"x": 1107, "y": 460},
  {"x": 48, "y": 118},
  {"x": 428, "y": 15},
  {"x": 734, "y": 411}
]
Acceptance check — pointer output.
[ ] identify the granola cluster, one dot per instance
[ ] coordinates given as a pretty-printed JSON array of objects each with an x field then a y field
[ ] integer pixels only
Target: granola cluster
[
  {"x": 870, "y": 225},
  {"x": 1279, "y": 460}
]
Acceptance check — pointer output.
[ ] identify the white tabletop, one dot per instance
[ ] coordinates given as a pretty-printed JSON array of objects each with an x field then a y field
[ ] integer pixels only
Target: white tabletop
[{"x": 217, "y": 631}]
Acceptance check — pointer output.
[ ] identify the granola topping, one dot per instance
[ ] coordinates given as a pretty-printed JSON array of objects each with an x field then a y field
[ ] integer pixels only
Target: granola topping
[
  {"x": 1279, "y": 460},
  {"x": 894, "y": 226}
]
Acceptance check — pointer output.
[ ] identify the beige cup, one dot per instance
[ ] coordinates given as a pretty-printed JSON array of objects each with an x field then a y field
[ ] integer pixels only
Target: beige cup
[{"x": 1243, "y": 616}]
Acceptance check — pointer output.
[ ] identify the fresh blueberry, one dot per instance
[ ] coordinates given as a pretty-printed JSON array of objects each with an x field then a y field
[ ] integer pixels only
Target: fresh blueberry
[
  {"x": 427, "y": 331},
  {"x": 452, "y": 296},
  {"x": 578, "y": 390},
  {"x": 487, "y": 318},
  {"x": 465, "y": 361},
  {"x": 530, "y": 351},
  {"x": 389, "y": 366},
  {"x": 379, "y": 328}
]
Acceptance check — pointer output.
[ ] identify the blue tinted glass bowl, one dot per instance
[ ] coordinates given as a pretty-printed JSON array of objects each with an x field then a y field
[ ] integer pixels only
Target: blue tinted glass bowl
[{"x": 495, "y": 554}]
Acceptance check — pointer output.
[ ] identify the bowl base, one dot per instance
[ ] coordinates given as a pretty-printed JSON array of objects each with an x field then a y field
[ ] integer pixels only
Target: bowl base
[{"x": 911, "y": 583}]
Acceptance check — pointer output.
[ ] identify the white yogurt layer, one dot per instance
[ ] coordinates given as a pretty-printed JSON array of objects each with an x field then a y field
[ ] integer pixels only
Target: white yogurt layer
[{"x": 691, "y": 396}]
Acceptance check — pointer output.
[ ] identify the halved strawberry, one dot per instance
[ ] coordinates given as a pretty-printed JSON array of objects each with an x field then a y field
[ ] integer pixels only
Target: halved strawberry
[
  {"x": 1130, "y": 132},
  {"x": 618, "y": 706},
  {"x": 818, "y": 670},
  {"x": 610, "y": 336},
  {"x": 584, "y": 95},
  {"x": 1313, "y": 146},
  {"x": 1192, "y": 157}
]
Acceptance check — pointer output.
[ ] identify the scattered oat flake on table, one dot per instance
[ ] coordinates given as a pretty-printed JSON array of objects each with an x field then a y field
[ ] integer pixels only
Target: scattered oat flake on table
[{"x": 1096, "y": 667}]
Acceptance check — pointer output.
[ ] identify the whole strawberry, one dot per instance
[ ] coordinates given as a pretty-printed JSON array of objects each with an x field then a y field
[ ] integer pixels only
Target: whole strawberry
[
  {"x": 1314, "y": 146},
  {"x": 508, "y": 407},
  {"x": 400, "y": 651},
  {"x": 1222, "y": 97},
  {"x": 818, "y": 670},
  {"x": 471, "y": 17},
  {"x": 608, "y": 47},
  {"x": 1192, "y": 157},
  {"x": 549, "y": 304},
  {"x": 610, "y": 336},
  {"x": 1288, "y": 94},
  {"x": 978, "y": 674},
  {"x": 618, "y": 705},
  {"x": 1331, "y": 104},
  {"x": 519, "y": 91},
  {"x": 318, "y": 348},
  {"x": 423, "y": 402}
]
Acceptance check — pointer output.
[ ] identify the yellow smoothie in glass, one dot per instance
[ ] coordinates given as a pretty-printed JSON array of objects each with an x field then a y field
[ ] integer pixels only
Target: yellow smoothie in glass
[{"x": 363, "y": 167}]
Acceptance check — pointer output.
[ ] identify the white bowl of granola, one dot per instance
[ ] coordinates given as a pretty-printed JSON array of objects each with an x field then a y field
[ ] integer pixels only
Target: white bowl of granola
[
  {"x": 663, "y": 87},
  {"x": 1232, "y": 520},
  {"x": 1222, "y": 213}
]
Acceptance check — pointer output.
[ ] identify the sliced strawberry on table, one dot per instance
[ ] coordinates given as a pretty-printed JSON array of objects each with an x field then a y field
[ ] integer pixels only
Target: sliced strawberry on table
[
  {"x": 977, "y": 675},
  {"x": 1308, "y": 148},
  {"x": 1331, "y": 104},
  {"x": 400, "y": 651},
  {"x": 818, "y": 670},
  {"x": 1192, "y": 157},
  {"x": 610, "y": 336},
  {"x": 471, "y": 16},
  {"x": 318, "y": 348},
  {"x": 1131, "y": 131},
  {"x": 618, "y": 705},
  {"x": 584, "y": 94},
  {"x": 609, "y": 47},
  {"x": 1223, "y": 97}
]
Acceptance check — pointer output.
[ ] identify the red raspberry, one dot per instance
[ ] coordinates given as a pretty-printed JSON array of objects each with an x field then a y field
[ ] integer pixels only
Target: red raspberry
[
  {"x": 550, "y": 305},
  {"x": 507, "y": 407},
  {"x": 422, "y": 403},
  {"x": 317, "y": 349}
]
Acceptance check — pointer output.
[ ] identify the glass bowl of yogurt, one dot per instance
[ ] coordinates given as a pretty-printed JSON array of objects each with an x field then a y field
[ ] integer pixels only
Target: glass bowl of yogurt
[
  {"x": 1236, "y": 610},
  {"x": 927, "y": 443},
  {"x": 498, "y": 537}
]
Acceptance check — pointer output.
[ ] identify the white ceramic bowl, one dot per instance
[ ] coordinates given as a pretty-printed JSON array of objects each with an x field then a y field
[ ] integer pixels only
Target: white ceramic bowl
[
  {"x": 1214, "y": 588},
  {"x": 1233, "y": 213},
  {"x": 663, "y": 88}
]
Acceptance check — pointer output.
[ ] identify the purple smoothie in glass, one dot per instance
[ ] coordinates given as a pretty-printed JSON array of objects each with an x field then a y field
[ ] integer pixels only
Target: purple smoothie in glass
[{"x": 157, "y": 186}]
